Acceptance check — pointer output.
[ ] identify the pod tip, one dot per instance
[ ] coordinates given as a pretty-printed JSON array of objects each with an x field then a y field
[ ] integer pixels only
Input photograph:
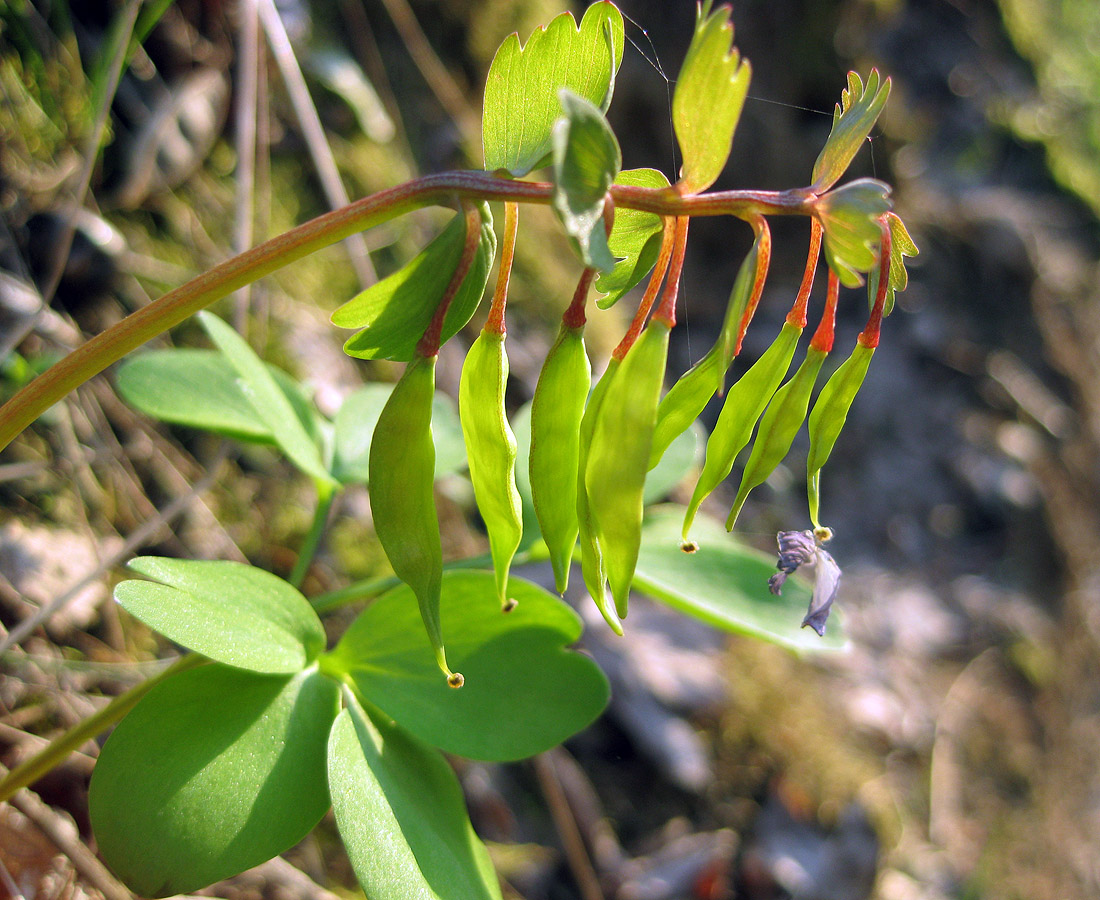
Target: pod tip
[
  {"x": 688, "y": 546},
  {"x": 455, "y": 680},
  {"x": 508, "y": 605}
]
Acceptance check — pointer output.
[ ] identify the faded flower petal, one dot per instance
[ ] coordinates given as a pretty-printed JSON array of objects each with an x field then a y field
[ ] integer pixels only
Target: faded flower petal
[{"x": 826, "y": 586}]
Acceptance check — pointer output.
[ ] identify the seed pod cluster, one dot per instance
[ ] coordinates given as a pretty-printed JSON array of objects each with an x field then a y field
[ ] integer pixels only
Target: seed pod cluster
[{"x": 491, "y": 451}]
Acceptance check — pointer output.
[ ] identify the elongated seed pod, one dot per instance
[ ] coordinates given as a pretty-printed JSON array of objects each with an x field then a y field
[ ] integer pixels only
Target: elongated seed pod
[
  {"x": 782, "y": 419},
  {"x": 592, "y": 561},
  {"x": 401, "y": 470},
  {"x": 618, "y": 458},
  {"x": 556, "y": 412},
  {"x": 491, "y": 451},
  {"x": 829, "y": 414},
  {"x": 741, "y": 410},
  {"x": 685, "y": 400}
]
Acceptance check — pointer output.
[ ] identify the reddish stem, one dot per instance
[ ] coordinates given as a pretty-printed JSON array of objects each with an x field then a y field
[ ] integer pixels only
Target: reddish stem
[
  {"x": 666, "y": 309},
  {"x": 655, "y": 279},
  {"x": 823, "y": 337},
  {"x": 495, "y": 322},
  {"x": 574, "y": 316},
  {"x": 763, "y": 261},
  {"x": 797, "y": 315},
  {"x": 869, "y": 336},
  {"x": 429, "y": 343}
]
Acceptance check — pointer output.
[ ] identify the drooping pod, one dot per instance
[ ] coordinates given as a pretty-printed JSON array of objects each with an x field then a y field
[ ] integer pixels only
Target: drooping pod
[
  {"x": 593, "y": 567},
  {"x": 618, "y": 458},
  {"x": 401, "y": 471},
  {"x": 556, "y": 412},
  {"x": 787, "y": 410},
  {"x": 491, "y": 451},
  {"x": 743, "y": 406}
]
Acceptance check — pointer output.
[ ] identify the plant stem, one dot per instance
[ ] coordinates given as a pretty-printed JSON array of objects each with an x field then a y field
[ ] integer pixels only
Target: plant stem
[
  {"x": 51, "y": 756},
  {"x": 445, "y": 188},
  {"x": 326, "y": 494}
]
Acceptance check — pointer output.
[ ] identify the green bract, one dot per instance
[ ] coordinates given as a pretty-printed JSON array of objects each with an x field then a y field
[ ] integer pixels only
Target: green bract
[
  {"x": 521, "y": 89},
  {"x": 635, "y": 240},
  {"x": 853, "y": 120},
  {"x": 901, "y": 246},
  {"x": 586, "y": 161},
  {"x": 710, "y": 92},
  {"x": 850, "y": 217},
  {"x": 394, "y": 313}
]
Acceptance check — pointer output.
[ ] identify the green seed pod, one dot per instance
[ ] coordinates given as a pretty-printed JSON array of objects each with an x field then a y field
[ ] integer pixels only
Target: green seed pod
[
  {"x": 556, "y": 412},
  {"x": 828, "y": 416},
  {"x": 742, "y": 409},
  {"x": 618, "y": 459},
  {"x": 491, "y": 451},
  {"x": 592, "y": 561},
  {"x": 401, "y": 470},
  {"x": 685, "y": 401},
  {"x": 782, "y": 419}
]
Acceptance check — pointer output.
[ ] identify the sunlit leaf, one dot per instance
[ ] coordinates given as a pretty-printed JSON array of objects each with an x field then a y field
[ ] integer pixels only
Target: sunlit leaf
[
  {"x": 724, "y": 583},
  {"x": 635, "y": 240},
  {"x": 394, "y": 313},
  {"x": 853, "y": 120},
  {"x": 214, "y": 771},
  {"x": 586, "y": 161},
  {"x": 850, "y": 217},
  {"x": 401, "y": 815},
  {"x": 525, "y": 691},
  {"x": 901, "y": 246},
  {"x": 521, "y": 89},
  {"x": 710, "y": 92}
]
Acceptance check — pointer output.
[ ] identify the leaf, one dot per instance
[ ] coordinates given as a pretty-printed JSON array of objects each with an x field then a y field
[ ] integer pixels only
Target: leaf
[
  {"x": 724, "y": 583},
  {"x": 227, "y": 611},
  {"x": 401, "y": 815},
  {"x": 850, "y": 217},
  {"x": 200, "y": 389},
  {"x": 524, "y": 693},
  {"x": 269, "y": 402},
  {"x": 394, "y": 313},
  {"x": 214, "y": 771},
  {"x": 853, "y": 119},
  {"x": 901, "y": 246},
  {"x": 710, "y": 91},
  {"x": 586, "y": 161},
  {"x": 635, "y": 240},
  {"x": 521, "y": 89},
  {"x": 355, "y": 423}
]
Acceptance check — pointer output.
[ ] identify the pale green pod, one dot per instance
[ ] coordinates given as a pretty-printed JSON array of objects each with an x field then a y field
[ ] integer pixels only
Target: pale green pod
[
  {"x": 782, "y": 419},
  {"x": 491, "y": 451},
  {"x": 556, "y": 412},
  {"x": 829, "y": 414},
  {"x": 741, "y": 410},
  {"x": 618, "y": 458}
]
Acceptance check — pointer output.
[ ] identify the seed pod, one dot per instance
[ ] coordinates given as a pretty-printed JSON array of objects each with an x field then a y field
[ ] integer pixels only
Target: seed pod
[
  {"x": 778, "y": 427},
  {"x": 592, "y": 561},
  {"x": 742, "y": 409},
  {"x": 829, "y": 415},
  {"x": 401, "y": 470},
  {"x": 491, "y": 451},
  {"x": 618, "y": 459},
  {"x": 556, "y": 412}
]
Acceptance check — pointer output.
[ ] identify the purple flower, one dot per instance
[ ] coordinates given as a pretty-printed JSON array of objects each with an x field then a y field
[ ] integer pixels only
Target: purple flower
[{"x": 803, "y": 548}]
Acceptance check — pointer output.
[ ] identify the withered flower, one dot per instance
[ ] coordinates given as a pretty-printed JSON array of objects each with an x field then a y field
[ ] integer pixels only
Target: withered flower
[{"x": 804, "y": 548}]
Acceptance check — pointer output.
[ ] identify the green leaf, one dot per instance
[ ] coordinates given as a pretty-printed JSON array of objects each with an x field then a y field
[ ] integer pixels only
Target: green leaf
[
  {"x": 635, "y": 240},
  {"x": 355, "y": 423},
  {"x": 270, "y": 403},
  {"x": 850, "y": 216},
  {"x": 853, "y": 119},
  {"x": 521, "y": 89},
  {"x": 201, "y": 389},
  {"x": 394, "y": 313},
  {"x": 228, "y": 611},
  {"x": 401, "y": 815},
  {"x": 901, "y": 246},
  {"x": 216, "y": 770},
  {"x": 525, "y": 691},
  {"x": 724, "y": 583},
  {"x": 586, "y": 161},
  {"x": 710, "y": 91}
]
